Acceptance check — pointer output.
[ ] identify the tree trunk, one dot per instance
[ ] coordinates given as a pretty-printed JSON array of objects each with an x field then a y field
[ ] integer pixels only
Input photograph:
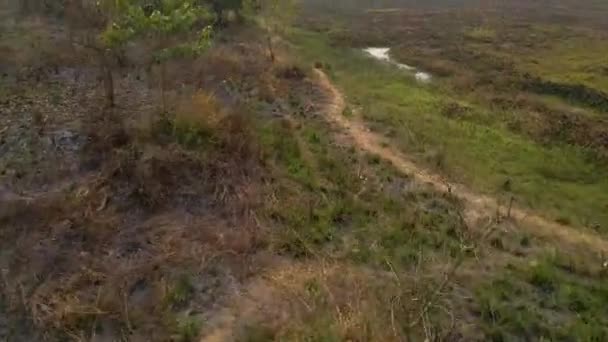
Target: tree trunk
[
  {"x": 270, "y": 49},
  {"x": 162, "y": 87},
  {"x": 108, "y": 79}
]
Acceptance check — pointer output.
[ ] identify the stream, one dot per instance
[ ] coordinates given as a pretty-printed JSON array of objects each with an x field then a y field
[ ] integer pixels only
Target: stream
[{"x": 382, "y": 54}]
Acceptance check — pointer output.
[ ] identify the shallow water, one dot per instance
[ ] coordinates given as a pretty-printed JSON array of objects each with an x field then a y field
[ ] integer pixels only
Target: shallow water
[
  {"x": 379, "y": 53},
  {"x": 382, "y": 54},
  {"x": 423, "y": 76}
]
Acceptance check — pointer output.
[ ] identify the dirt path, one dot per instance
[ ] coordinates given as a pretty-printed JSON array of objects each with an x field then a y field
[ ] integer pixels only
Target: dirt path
[{"x": 477, "y": 206}]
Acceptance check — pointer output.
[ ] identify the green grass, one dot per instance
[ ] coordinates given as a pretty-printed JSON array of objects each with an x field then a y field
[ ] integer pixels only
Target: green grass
[
  {"x": 560, "y": 180},
  {"x": 572, "y": 61},
  {"x": 327, "y": 208},
  {"x": 552, "y": 298},
  {"x": 180, "y": 291},
  {"x": 569, "y": 57},
  {"x": 186, "y": 328}
]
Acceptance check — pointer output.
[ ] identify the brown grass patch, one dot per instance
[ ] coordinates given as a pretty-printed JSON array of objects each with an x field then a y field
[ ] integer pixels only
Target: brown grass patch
[
  {"x": 104, "y": 256},
  {"x": 333, "y": 300}
]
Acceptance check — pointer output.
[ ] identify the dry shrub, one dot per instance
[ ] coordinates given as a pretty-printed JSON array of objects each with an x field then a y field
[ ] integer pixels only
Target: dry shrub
[
  {"x": 157, "y": 175},
  {"x": 242, "y": 68},
  {"x": 233, "y": 159},
  {"x": 132, "y": 286},
  {"x": 339, "y": 290},
  {"x": 225, "y": 62},
  {"x": 235, "y": 173},
  {"x": 238, "y": 72},
  {"x": 291, "y": 72},
  {"x": 105, "y": 139},
  {"x": 202, "y": 156},
  {"x": 91, "y": 264},
  {"x": 325, "y": 298},
  {"x": 202, "y": 110}
]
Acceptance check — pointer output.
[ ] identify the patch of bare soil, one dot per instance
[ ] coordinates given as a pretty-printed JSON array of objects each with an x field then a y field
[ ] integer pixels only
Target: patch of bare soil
[{"x": 478, "y": 207}]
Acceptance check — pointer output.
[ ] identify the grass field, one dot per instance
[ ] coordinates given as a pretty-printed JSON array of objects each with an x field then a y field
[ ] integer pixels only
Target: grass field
[
  {"x": 581, "y": 60},
  {"x": 462, "y": 133},
  {"x": 476, "y": 125},
  {"x": 510, "y": 287},
  {"x": 475, "y": 145},
  {"x": 243, "y": 212}
]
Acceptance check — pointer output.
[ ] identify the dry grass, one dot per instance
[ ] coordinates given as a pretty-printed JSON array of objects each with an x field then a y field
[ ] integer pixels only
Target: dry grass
[
  {"x": 127, "y": 233},
  {"x": 103, "y": 255},
  {"x": 202, "y": 110},
  {"x": 329, "y": 300},
  {"x": 161, "y": 226}
]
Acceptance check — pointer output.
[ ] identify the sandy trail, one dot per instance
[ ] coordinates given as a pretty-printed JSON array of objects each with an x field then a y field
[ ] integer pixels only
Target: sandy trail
[{"x": 477, "y": 206}]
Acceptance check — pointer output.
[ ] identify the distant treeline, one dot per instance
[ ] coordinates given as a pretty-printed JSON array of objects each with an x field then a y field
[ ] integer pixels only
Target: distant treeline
[
  {"x": 527, "y": 5},
  {"x": 380, "y": 4}
]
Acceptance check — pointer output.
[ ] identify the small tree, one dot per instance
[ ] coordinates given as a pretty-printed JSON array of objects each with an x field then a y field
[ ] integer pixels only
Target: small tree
[
  {"x": 106, "y": 26},
  {"x": 274, "y": 16},
  {"x": 167, "y": 27},
  {"x": 87, "y": 19}
]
